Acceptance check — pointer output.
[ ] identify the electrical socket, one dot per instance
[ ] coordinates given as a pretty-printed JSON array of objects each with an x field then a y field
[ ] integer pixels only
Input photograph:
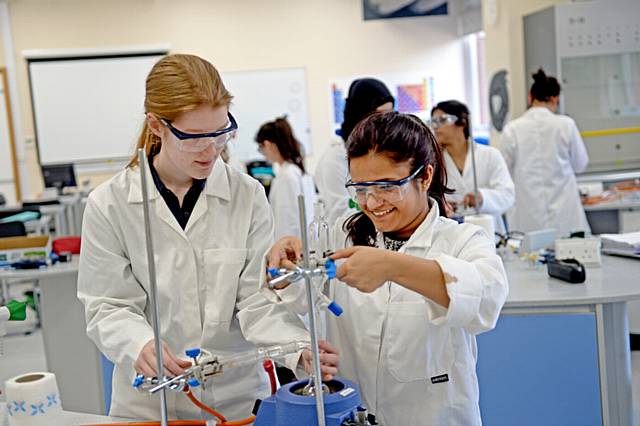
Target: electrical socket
[
  {"x": 536, "y": 240},
  {"x": 584, "y": 250}
]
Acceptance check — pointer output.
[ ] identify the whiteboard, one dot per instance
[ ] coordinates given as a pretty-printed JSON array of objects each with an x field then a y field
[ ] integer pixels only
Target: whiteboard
[
  {"x": 88, "y": 108},
  {"x": 264, "y": 95}
]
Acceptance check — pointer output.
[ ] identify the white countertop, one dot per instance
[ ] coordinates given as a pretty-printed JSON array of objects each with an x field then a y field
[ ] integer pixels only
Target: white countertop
[
  {"x": 57, "y": 269},
  {"x": 613, "y": 205},
  {"x": 73, "y": 419},
  {"x": 617, "y": 280}
]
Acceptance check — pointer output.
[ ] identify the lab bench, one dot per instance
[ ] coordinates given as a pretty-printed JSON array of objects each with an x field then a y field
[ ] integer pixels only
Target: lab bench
[
  {"x": 558, "y": 355},
  {"x": 560, "y": 352}
]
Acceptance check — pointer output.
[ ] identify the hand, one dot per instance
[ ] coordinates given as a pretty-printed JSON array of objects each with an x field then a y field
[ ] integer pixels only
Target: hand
[
  {"x": 146, "y": 364},
  {"x": 329, "y": 360},
  {"x": 470, "y": 200},
  {"x": 284, "y": 254},
  {"x": 364, "y": 269}
]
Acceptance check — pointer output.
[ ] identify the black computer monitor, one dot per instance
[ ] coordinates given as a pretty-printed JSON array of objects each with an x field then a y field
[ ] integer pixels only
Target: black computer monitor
[{"x": 58, "y": 176}]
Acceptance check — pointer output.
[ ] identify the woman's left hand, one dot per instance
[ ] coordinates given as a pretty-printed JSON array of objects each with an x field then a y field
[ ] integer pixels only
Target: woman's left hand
[
  {"x": 366, "y": 268},
  {"x": 329, "y": 360},
  {"x": 470, "y": 200}
]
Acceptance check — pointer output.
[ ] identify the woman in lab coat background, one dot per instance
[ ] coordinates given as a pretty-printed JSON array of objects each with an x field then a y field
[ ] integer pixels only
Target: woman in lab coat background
[
  {"x": 365, "y": 96},
  {"x": 544, "y": 151},
  {"x": 416, "y": 287},
  {"x": 211, "y": 227},
  {"x": 280, "y": 147},
  {"x": 451, "y": 123}
]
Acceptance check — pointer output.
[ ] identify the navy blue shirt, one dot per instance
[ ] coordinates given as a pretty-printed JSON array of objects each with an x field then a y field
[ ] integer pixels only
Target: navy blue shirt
[{"x": 181, "y": 213}]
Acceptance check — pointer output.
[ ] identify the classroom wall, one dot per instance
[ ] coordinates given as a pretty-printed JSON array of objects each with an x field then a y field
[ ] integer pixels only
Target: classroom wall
[
  {"x": 504, "y": 47},
  {"x": 327, "y": 37}
]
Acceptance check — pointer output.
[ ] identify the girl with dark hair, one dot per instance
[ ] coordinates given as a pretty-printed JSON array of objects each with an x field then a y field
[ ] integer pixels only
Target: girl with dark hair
[
  {"x": 543, "y": 151},
  {"x": 416, "y": 287},
  {"x": 280, "y": 147},
  {"x": 451, "y": 122},
  {"x": 366, "y": 95}
]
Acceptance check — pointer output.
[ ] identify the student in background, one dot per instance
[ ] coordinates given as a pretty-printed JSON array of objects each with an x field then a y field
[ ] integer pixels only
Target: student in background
[
  {"x": 280, "y": 147},
  {"x": 365, "y": 96},
  {"x": 544, "y": 151},
  {"x": 212, "y": 226},
  {"x": 416, "y": 287},
  {"x": 451, "y": 123}
]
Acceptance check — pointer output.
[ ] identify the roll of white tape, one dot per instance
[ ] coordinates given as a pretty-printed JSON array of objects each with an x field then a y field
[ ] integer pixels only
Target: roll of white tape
[
  {"x": 33, "y": 400},
  {"x": 484, "y": 221}
]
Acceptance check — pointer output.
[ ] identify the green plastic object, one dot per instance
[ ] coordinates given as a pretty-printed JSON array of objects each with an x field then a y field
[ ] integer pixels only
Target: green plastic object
[
  {"x": 354, "y": 205},
  {"x": 17, "y": 310}
]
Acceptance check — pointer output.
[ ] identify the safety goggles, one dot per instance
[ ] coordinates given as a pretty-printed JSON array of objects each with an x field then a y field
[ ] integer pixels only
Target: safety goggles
[
  {"x": 441, "y": 120},
  {"x": 390, "y": 191},
  {"x": 198, "y": 142}
]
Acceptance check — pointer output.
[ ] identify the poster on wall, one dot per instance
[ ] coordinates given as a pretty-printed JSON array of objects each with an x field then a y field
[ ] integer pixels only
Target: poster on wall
[
  {"x": 387, "y": 9},
  {"x": 414, "y": 93}
]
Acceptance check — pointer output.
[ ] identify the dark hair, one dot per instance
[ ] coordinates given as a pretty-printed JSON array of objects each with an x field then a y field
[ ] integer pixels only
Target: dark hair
[
  {"x": 365, "y": 95},
  {"x": 544, "y": 87},
  {"x": 280, "y": 133},
  {"x": 401, "y": 137},
  {"x": 458, "y": 109}
]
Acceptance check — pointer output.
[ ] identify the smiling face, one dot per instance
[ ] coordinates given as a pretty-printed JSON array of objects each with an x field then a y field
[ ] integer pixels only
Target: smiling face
[
  {"x": 401, "y": 217},
  {"x": 182, "y": 165}
]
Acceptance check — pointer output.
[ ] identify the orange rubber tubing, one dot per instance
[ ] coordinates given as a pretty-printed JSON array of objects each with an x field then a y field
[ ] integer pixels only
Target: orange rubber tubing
[
  {"x": 222, "y": 420},
  {"x": 171, "y": 423},
  {"x": 204, "y": 407}
]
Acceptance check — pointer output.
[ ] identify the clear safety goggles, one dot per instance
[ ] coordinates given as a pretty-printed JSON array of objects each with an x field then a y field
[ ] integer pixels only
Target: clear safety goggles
[
  {"x": 390, "y": 191},
  {"x": 441, "y": 120},
  {"x": 198, "y": 142}
]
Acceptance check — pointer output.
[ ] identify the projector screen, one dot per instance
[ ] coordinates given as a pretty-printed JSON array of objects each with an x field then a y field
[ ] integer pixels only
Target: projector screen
[{"x": 88, "y": 109}]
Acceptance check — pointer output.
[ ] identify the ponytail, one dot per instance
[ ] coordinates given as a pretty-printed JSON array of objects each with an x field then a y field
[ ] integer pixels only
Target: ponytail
[{"x": 280, "y": 133}]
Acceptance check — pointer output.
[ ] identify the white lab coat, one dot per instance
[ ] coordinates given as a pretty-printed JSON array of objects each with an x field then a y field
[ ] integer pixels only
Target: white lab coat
[
  {"x": 494, "y": 182},
  {"x": 288, "y": 183},
  {"x": 332, "y": 173},
  {"x": 543, "y": 152},
  {"x": 205, "y": 274},
  {"x": 395, "y": 343}
]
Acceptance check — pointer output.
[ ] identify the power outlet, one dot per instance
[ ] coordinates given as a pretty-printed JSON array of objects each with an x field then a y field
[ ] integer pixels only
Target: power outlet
[
  {"x": 584, "y": 250},
  {"x": 536, "y": 240}
]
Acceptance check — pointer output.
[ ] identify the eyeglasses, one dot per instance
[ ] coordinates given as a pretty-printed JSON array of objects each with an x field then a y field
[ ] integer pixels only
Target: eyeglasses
[
  {"x": 198, "y": 142},
  {"x": 440, "y": 120},
  {"x": 388, "y": 190}
]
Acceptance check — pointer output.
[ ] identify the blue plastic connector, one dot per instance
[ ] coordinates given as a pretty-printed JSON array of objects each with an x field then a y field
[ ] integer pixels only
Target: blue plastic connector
[
  {"x": 138, "y": 381},
  {"x": 192, "y": 353},
  {"x": 273, "y": 272},
  {"x": 335, "y": 309},
  {"x": 330, "y": 266},
  {"x": 194, "y": 383}
]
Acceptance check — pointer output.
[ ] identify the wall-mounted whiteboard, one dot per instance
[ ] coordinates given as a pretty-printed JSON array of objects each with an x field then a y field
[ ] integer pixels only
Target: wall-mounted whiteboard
[
  {"x": 261, "y": 96},
  {"x": 88, "y": 108}
]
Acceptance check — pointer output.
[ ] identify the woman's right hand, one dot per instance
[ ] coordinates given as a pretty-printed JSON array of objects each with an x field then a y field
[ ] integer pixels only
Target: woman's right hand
[{"x": 146, "y": 364}]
